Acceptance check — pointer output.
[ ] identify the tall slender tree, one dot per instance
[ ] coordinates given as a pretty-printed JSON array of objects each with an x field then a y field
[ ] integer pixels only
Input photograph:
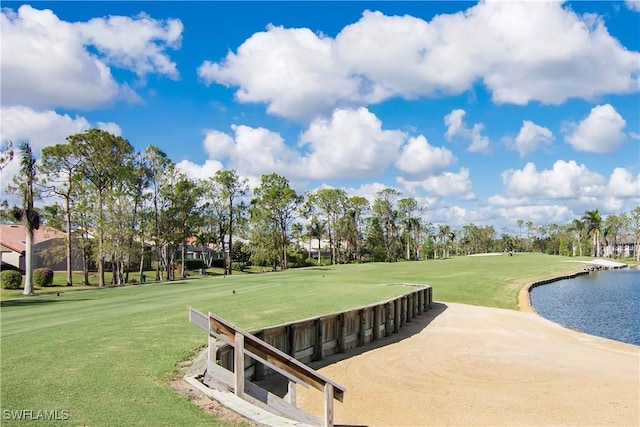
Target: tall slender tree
[
  {"x": 385, "y": 209},
  {"x": 58, "y": 168},
  {"x": 157, "y": 164},
  {"x": 232, "y": 187}
]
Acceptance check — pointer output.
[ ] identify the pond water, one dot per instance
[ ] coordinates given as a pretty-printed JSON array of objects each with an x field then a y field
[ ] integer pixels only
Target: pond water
[{"x": 605, "y": 303}]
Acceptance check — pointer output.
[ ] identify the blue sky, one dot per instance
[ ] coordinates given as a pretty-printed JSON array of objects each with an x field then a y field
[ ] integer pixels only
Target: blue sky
[{"x": 484, "y": 112}]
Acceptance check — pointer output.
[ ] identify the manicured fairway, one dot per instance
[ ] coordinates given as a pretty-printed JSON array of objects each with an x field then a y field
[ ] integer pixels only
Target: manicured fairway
[{"x": 106, "y": 356}]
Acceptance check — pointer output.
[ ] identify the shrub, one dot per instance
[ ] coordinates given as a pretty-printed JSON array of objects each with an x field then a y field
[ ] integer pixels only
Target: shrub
[
  {"x": 218, "y": 263},
  {"x": 11, "y": 279},
  {"x": 194, "y": 264},
  {"x": 42, "y": 277}
]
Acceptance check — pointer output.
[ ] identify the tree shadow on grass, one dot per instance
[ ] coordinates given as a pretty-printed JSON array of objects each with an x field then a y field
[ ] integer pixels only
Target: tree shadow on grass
[{"x": 29, "y": 301}]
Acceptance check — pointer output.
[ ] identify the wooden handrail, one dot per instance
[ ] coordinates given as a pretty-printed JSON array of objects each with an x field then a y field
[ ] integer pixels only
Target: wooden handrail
[{"x": 271, "y": 356}]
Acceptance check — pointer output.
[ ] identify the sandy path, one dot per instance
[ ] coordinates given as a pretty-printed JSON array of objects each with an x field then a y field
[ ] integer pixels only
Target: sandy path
[{"x": 466, "y": 365}]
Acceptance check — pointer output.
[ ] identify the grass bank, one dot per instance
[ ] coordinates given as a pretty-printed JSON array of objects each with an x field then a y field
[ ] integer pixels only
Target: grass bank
[{"x": 106, "y": 356}]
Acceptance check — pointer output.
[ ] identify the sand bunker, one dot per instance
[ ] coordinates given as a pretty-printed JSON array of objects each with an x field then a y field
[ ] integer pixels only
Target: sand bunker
[{"x": 466, "y": 365}]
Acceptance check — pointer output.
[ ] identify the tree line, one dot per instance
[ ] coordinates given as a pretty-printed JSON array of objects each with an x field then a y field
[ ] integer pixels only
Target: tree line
[{"x": 121, "y": 207}]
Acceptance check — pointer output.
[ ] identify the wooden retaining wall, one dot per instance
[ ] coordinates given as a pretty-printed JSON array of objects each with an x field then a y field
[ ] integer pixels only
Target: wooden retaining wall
[
  {"x": 557, "y": 279},
  {"x": 313, "y": 339}
]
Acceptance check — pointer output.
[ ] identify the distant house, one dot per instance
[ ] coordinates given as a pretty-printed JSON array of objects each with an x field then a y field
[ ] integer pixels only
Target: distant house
[
  {"x": 48, "y": 246},
  {"x": 625, "y": 248}
]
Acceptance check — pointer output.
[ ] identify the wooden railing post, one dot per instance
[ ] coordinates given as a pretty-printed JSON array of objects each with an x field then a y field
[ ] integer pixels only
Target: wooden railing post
[
  {"x": 292, "y": 393},
  {"x": 238, "y": 364},
  {"x": 212, "y": 352},
  {"x": 328, "y": 405}
]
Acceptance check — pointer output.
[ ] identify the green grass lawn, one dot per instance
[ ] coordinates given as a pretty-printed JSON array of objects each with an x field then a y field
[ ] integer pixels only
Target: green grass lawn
[
  {"x": 106, "y": 356},
  {"x": 60, "y": 281}
]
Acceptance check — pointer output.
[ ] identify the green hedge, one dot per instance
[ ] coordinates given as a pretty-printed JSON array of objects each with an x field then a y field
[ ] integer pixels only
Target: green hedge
[
  {"x": 11, "y": 279},
  {"x": 194, "y": 264},
  {"x": 218, "y": 263}
]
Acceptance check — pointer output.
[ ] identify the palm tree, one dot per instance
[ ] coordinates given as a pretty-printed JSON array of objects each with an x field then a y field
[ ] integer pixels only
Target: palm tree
[
  {"x": 316, "y": 230},
  {"x": 445, "y": 235},
  {"x": 24, "y": 183},
  {"x": 593, "y": 221}
]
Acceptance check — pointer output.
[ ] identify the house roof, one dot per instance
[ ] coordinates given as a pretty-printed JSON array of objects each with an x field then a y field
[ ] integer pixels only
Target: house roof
[{"x": 12, "y": 236}]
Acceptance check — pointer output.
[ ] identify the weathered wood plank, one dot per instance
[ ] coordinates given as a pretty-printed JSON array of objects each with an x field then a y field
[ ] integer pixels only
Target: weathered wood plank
[
  {"x": 238, "y": 364},
  {"x": 328, "y": 406},
  {"x": 329, "y": 345},
  {"x": 305, "y": 352},
  {"x": 291, "y": 391}
]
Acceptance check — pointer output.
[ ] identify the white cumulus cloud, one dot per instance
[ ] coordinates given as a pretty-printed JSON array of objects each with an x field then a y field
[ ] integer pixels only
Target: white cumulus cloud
[
  {"x": 531, "y": 137},
  {"x": 529, "y": 51},
  {"x": 196, "y": 171},
  {"x": 294, "y": 71},
  {"x": 566, "y": 180},
  {"x": 444, "y": 185},
  {"x": 350, "y": 144},
  {"x": 456, "y": 127},
  {"x": 419, "y": 159},
  {"x": 49, "y": 63},
  {"x": 600, "y": 132},
  {"x": 623, "y": 184}
]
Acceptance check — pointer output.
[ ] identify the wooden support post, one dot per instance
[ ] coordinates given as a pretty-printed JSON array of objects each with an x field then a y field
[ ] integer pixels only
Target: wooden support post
[
  {"x": 388, "y": 326},
  {"x": 258, "y": 367},
  {"x": 397, "y": 315},
  {"x": 342, "y": 332},
  {"x": 291, "y": 338},
  {"x": 328, "y": 405},
  {"x": 212, "y": 352},
  {"x": 376, "y": 323},
  {"x": 421, "y": 301},
  {"x": 319, "y": 340},
  {"x": 430, "y": 296},
  {"x": 410, "y": 307},
  {"x": 238, "y": 364},
  {"x": 363, "y": 327},
  {"x": 292, "y": 393}
]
